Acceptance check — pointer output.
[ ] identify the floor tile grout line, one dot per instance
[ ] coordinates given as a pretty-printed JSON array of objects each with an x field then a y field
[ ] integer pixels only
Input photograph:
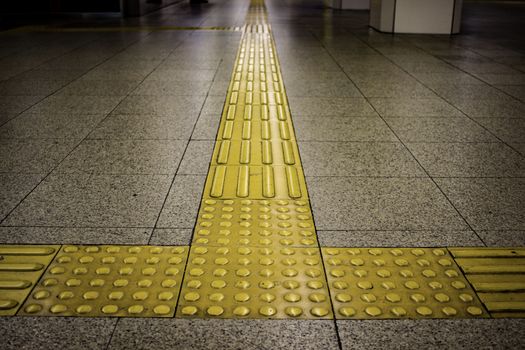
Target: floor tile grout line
[{"x": 408, "y": 150}]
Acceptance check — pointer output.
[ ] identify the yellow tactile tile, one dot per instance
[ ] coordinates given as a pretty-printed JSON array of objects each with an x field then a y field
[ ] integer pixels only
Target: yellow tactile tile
[
  {"x": 262, "y": 152},
  {"x": 248, "y": 282},
  {"x": 255, "y": 182},
  {"x": 378, "y": 283},
  {"x": 257, "y": 223},
  {"x": 20, "y": 268},
  {"x": 497, "y": 275},
  {"x": 131, "y": 281}
]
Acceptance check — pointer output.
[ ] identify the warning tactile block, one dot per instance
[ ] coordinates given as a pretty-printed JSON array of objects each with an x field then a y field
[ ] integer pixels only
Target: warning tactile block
[
  {"x": 20, "y": 268},
  {"x": 498, "y": 276},
  {"x": 372, "y": 283},
  {"x": 247, "y": 282},
  {"x": 259, "y": 223},
  {"x": 140, "y": 281}
]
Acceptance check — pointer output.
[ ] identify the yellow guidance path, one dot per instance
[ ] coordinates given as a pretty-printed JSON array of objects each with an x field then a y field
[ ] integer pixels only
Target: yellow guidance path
[{"x": 254, "y": 252}]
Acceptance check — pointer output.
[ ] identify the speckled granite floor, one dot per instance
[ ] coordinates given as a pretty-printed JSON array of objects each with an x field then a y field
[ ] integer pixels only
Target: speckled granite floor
[{"x": 406, "y": 140}]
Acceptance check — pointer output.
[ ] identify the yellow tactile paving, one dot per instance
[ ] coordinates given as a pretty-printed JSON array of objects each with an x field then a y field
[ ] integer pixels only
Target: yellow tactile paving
[
  {"x": 248, "y": 282},
  {"x": 498, "y": 276},
  {"x": 20, "y": 269},
  {"x": 129, "y": 281},
  {"x": 377, "y": 283},
  {"x": 255, "y": 252},
  {"x": 257, "y": 223}
]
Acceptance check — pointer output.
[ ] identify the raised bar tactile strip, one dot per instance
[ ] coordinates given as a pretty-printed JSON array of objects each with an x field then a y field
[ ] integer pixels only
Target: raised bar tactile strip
[
  {"x": 20, "y": 268},
  {"x": 247, "y": 282},
  {"x": 379, "y": 283},
  {"x": 130, "y": 281},
  {"x": 497, "y": 275}
]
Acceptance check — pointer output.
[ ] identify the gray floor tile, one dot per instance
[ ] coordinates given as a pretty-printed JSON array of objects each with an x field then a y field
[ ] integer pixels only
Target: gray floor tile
[
  {"x": 342, "y": 129},
  {"x": 171, "y": 236},
  {"x": 125, "y": 157},
  {"x": 169, "y": 74},
  {"x": 50, "y": 125},
  {"x": 182, "y": 204},
  {"x": 214, "y": 105},
  {"x": 219, "y": 86},
  {"x": 503, "y": 238},
  {"x": 207, "y": 127},
  {"x": 346, "y": 203},
  {"x": 196, "y": 160},
  {"x": 149, "y": 333},
  {"x": 314, "y": 88},
  {"x": 458, "y": 78},
  {"x": 519, "y": 146},
  {"x": 517, "y": 91},
  {"x": 132, "y": 74},
  {"x": 13, "y": 188},
  {"x": 81, "y": 200},
  {"x": 502, "y": 79},
  {"x": 60, "y": 103},
  {"x": 436, "y": 129},
  {"x": 144, "y": 127},
  {"x": 491, "y": 109},
  {"x": 48, "y": 333},
  {"x": 16, "y": 87},
  {"x": 33, "y": 155},
  {"x": 88, "y": 87},
  {"x": 414, "y": 107},
  {"x": 507, "y": 129},
  {"x": 179, "y": 88},
  {"x": 318, "y": 106},
  {"x": 432, "y": 334},
  {"x": 10, "y": 106},
  {"x": 488, "y": 204},
  {"x": 358, "y": 159},
  {"x": 74, "y": 235},
  {"x": 468, "y": 159},
  {"x": 392, "y": 90},
  {"x": 398, "y": 238},
  {"x": 458, "y": 93},
  {"x": 161, "y": 105}
]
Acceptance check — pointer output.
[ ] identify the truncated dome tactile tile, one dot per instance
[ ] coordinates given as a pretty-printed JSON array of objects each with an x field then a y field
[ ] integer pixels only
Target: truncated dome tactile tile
[
  {"x": 129, "y": 281},
  {"x": 20, "y": 268},
  {"x": 261, "y": 223},
  {"x": 375, "y": 283},
  {"x": 247, "y": 282}
]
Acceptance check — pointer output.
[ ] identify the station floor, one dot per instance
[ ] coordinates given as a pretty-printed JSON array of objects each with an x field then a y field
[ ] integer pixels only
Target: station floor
[{"x": 409, "y": 144}]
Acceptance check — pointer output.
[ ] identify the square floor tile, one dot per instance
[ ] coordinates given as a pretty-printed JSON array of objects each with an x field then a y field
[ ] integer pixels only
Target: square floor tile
[
  {"x": 179, "y": 88},
  {"x": 507, "y": 129},
  {"x": 223, "y": 334},
  {"x": 13, "y": 188},
  {"x": 60, "y": 103},
  {"x": 468, "y": 159},
  {"x": 171, "y": 236},
  {"x": 196, "y": 160},
  {"x": 414, "y": 107},
  {"x": 161, "y": 105},
  {"x": 50, "y": 125},
  {"x": 55, "y": 333},
  {"x": 491, "y": 108},
  {"x": 309, "y": 128},
  {"x": 33, "y": 155},
  {"x": 81, "y": 200},
  {"x": 435, "y": 129},
  {"x": 488, "y": 204},
  {"x": 207, "y": 127},
  {"x": 74, "y": 235},
  {"x": 125, "y": 157},
  {"x": 379, "y": 89},
  {"x": 434, "y": 334},
  {"x": 182, "y": 204},
  {"x": 443, "y": 238},
  {"x": 503, "y": 238},
  {"x": 358, "y": 159},
  {"x": 315, "y": 88},
  {"x": 318, "y": 106},
  {"x": 144, "y": 127},
  {"x": 347, "y": 203}
]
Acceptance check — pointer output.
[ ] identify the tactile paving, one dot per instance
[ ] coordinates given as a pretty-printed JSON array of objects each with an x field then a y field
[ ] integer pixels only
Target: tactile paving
[
  {"x": 379, "y": 283},
  {"x": 20, "y": 268},
  {"x": 497, "y": 275},
  {"x": 248, "y": 282},
  {"x": 131, "y": 281},
  {"x": 258, "y": 223}
]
